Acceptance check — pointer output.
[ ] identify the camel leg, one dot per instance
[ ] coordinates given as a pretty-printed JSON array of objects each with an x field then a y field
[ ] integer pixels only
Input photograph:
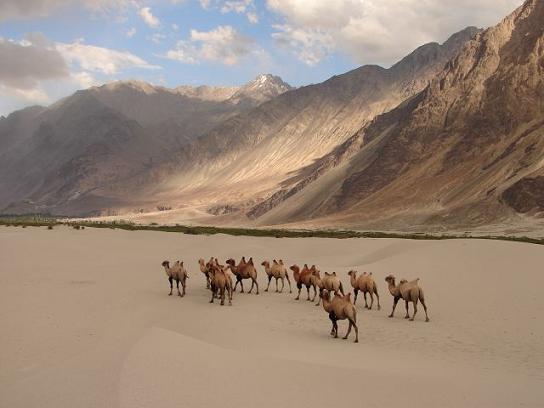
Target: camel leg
[
  {"x": 230, "y": 296},
  {"x": 332, "y": 328},
  {"x": 425, "y": 308},
  {"x": 315, "y": 293},
  {"x": 277, "y": 285},
  {"x": 213, "y": 296},
  {"x": 289, "y": 281},
  {"x": 177, "y": 287},
  {"x": 407, "y": 314},
  {"x": 299, "y": 286},
  {"x": 308, "y": 290},
  {"x": 394, "y": 306},
  {"x": 222, "y": 296},
  {"x": 318, "y": 299},
  {"x": 349, "y": 330},
  {"x": 377, "y": 297},
  {"x": 256, "y": 285},
  {"x": 355, "y": 293},
  {"x": 183, "y": 284},
  {"x": 282, "y": 284},
  {"x": 267, "y": 286},
  {"x": 332, "y": 316},
  {"x": 366, "y": 304},
  {"x": 171, "y": 286},
  {"x": 252, "y": 284},
  {"x": 371, "y": 300},
  {"x": 415, "y": 310},
  {"x": 356, "y": 331}
]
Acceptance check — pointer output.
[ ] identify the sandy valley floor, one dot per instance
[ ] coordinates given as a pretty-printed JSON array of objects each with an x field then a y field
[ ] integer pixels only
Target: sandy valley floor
[{"x": 86, "y": 322}]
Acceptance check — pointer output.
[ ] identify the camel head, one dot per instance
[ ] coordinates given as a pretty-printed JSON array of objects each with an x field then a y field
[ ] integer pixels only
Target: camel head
[
  {"x": 324, "y": 294},
  {"x": 166, "y": 264},
  {"x": 294, "y": 268},
  {"x": 266, "y": 264},
  {"x": 352, "y": 273},
  {"x": 390, "y": 279},
  {"x": 201, "y": 262},
  {"x": 230, "y": 262},
  {"x": 317, "y": 273}
]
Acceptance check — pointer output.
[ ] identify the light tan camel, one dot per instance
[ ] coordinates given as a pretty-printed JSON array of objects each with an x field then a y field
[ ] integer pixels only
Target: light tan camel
[
  {"x": 304, "y": 277},
  {"x": 220, "y": 283},
  {"x": 205, "y": 269},
  {"x": 329, "y": 281},
  {"x": 340, "y": 308},
  {"x": 277, "y": 271},
  {"x": 366, "y": 284},
  {"x": 410, "y": 292},
  {"x": 244, "y": 270},
  {"x": 178, "y": 273}
]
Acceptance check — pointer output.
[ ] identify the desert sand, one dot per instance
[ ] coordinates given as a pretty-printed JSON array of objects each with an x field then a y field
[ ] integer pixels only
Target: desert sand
[{"x": 86, "y": 322}]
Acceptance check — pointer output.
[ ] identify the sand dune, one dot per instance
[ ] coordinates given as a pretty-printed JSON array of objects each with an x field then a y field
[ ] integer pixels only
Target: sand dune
[{"x": 87, "y": 322}]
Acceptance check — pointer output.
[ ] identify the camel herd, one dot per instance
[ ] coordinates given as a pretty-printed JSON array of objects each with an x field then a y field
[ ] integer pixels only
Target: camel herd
[{"x": 336, "y": 303}]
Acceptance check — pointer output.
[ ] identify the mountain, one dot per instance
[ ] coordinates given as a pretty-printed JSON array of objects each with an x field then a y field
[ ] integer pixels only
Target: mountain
[
  {"x": 244, "y": 159},
  {"x": 466, "y": 151},
  {"x": 74, "y": 156}
]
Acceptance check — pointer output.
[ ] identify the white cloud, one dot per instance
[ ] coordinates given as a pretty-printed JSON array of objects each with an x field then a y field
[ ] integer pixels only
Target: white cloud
[
  {"x": 376, "y": 31},
  {"x": 131, "y": 32},
  {"x": 99, "y": 59},
  {"x": 237, "y": 6},
  {"x": 175, "y": 27},
  {"x": 233, "y": 6},
  {"x": 28, "y": 9},
  {"x": 23, "y": 65},
  {"x": 148, "y": 17},
  {"x": 157, "y": 38},
  {"x": 224, "y": 45},
  {"x": 252, "y": 17}
]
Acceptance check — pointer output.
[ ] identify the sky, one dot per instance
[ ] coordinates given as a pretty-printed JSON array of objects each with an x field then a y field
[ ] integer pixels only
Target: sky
[{"x": 51, "y": 48}]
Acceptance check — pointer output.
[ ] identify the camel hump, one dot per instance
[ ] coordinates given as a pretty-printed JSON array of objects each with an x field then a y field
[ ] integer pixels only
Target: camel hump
[
  {"x": 251, "y": 261},
  {"x": 305, "y": 265},
  {"x": 370, "y": 273},
  {"x": 334, "y": 274}
]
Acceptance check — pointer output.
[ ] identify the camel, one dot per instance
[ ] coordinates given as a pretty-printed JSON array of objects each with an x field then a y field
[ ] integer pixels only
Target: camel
[
  {"x": 205, "y": 269},
  {"x": 366, "y": 284},
  {"x": 340, "y": 308},
  {"x": 178, "y": 273},
  {"x": 278, "y": 271},
  {"x": 410, "y": 292},
  {"x": 220, "y": 283},
  {"x": 330, "y": 282},
  {"x": 244, "y": 270},
  {"x": 304, "y": 277}
]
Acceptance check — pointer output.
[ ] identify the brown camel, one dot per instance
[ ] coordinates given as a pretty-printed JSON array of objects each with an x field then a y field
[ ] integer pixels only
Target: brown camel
[
  {"x": 366, "y": 284},
  {"x": 205, "y": 269},
  {"x": 220, "y": 283},
  {"x": 410, "y": 292},
  {"x": 178, "y": 273},
  {"x": 244, "y": 270},
  {"x": 340, "y": 308},
  {"x": 329, "y": 281},
  {"x": 277, "y": 271},
  {"x": 304, "y": 277}
]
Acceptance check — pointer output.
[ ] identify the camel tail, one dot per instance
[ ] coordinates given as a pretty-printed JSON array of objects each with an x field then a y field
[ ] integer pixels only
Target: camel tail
[
  {"x": 342, "y": 289},
  {"x": 421, "y": 295}
]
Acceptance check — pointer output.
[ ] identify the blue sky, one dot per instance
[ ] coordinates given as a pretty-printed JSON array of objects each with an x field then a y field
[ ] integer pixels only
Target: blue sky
[{"x": 50, "y": 48}]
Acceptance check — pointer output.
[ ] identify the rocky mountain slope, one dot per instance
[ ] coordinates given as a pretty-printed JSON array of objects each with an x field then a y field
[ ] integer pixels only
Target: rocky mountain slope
[
  {"x": 244, "y": 159},
  {"x": 58, "y": 159},
  {"x": 466, "y": 151}
]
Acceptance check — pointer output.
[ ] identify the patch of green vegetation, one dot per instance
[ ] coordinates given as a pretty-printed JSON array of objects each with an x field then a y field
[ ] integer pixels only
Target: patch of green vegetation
[{"x": 49, "y": 221}]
